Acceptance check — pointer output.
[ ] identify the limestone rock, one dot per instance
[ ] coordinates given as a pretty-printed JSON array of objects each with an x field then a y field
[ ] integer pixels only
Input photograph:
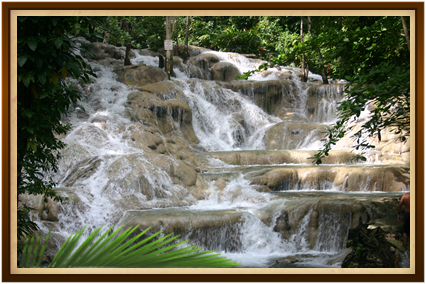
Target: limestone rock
[
  {"x": 220, "y": 184},
  {"x": 103, "y": 50},
  {"x": 171, "y": 117},
  {"x": 287, "y": 260},
  {"x": 82, "y": 170},
  {"x": 284, "y": 135},
  {"x": 271, "y": 95},
  {"x": 138, "y": 75},
  {"x": 199, "y": 66},
  {"x": 218, "y": 230},
  {"x": 225, "y": 71}
]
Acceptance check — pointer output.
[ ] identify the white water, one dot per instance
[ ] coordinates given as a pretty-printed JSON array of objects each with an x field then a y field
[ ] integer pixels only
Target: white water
[{"x": 100, "y": 131}]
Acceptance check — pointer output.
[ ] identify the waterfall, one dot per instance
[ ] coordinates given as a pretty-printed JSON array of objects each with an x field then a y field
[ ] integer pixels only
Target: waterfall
[{"x": 139, "y": 155}]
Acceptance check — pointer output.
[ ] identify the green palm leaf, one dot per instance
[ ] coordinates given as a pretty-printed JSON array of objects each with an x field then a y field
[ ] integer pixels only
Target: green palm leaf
[{"x": 117, "y": 250}]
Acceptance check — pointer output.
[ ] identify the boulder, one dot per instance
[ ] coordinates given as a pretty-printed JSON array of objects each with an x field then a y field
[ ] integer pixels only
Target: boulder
[
  {"x": 82, "y": 171},
  {"x": 48, "y": 209},
  {"x": 138, "y": 75},
  {"x": 224, "y": 71},
  {"x": 102, "y": 51},
  {"x": 173, "y": 117},
  {"x": 89, "y": 134},
  {"x": 165, "y": 90},
  {"x": 199, "y": 66}
]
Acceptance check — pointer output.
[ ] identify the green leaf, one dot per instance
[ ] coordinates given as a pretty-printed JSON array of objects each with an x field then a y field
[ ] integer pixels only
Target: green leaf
[
  {"x": 58, "y": 42},
  {"x": 42, "y": 78},
  {"x": 26, "y": 78},
  {"x": 32, "y": 45},
  {"x": 117, "y": 253},
  {"x": 22, "y": 59}
]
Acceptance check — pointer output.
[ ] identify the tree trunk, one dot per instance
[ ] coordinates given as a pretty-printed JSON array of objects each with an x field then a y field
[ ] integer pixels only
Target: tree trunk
[
  {"x": 323, "y": 70},
  {"x": 169, "y": 53},
  {"x": 185, "y": 54},
  {"x": 406, "y": 32},
  {"x": 107, "y": 35},
  {"x": 304, "y": 77},
  {"x": 127, "y": 56},
  {"x": 188, "y": 22},
  {"x": 306, "y": 72}
]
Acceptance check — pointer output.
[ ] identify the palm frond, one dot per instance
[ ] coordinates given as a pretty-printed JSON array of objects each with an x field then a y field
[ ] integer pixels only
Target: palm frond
[{"x": 117, "y": 250}]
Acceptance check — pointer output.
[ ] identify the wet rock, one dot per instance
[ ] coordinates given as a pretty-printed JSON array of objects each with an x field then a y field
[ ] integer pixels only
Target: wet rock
[
  {"x": 287, "y": 260},
  {"x": 91, "y": 135},
  {"x": 284, "y": 136},
  {"x": 218, "y": 230},
  {"x": 82, "y": 170},
  {"x": 72, "y": 154},
  {"x": 164, "y": 90},
  {"x": 345, "y": 178},
  {"x": 102, "y": 51},
  {"x": 137, "y": 75},
  {"x": 321, "y": 221},
  {"x": 140, "y": 136},
  {"x": 220, "y": 184},
  {"x": 225, "y": 71},
  {"x": 339, "y": 257},
  {"x": 172, "y": 117},
  {"x": 267, "y": 157},
  {"x": 322, "y": 101},
  {"x": 148, "y": 52},
  {"x": 199, "y": 66},
  {"x": 271, "y": 95},
  {"x": 178, "y": 64},
  {"x": 48, "y": 209}
]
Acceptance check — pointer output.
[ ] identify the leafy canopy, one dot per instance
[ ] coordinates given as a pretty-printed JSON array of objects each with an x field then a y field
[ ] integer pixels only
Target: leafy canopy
[
  {"x": 372, "y": 54},
  {"x": 47, "y": 56}
]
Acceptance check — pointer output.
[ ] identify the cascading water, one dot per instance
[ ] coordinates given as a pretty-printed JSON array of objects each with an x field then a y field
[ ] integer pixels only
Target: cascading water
[{"x": 111, "y": 180}]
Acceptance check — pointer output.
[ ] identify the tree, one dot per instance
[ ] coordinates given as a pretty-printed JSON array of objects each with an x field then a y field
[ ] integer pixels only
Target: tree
[
  {"x": 170, "y": 26},
  {"x": 374, "y": 57},
  {"x": 323, "y": 71},
  {"x": 119, "y": 31},
  {"x": 305, "y": 72},
  {"x": 47, "y": 57}
]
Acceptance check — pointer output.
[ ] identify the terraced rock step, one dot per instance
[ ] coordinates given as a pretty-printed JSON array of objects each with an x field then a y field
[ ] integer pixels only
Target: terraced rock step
[
  {"x": 386, "y": 178},
  {"x": 214, "y": 229},
  {"x": 274, "y": 157}
]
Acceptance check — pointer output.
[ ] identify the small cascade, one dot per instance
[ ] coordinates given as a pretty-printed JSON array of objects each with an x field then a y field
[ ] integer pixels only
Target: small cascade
[
  {"x": 223, "y": 162},
  {"x": 332, "y": 231}
]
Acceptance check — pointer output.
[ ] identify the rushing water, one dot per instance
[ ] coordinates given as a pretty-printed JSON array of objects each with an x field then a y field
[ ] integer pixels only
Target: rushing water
[{"x": 110, "y": 162}]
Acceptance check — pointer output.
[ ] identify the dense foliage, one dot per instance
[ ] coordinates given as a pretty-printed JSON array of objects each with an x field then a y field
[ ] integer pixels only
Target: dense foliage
[
  {"x": 373, "y": 55},
  {"x": 47, "y": 55}
]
